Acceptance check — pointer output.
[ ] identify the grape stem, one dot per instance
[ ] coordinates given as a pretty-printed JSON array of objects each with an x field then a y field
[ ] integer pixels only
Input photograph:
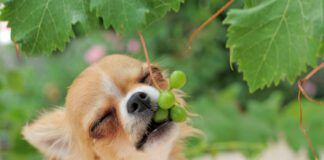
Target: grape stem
[
  {"x": 300, "y": 92},
  {"x": 17, "y": 50},
  {"x": 148, "y": 62},
  {"x": 210, "y": 19}
]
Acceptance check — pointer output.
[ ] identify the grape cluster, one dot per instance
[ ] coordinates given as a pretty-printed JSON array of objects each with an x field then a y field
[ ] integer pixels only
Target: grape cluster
[{"x": 168, "y": 107}]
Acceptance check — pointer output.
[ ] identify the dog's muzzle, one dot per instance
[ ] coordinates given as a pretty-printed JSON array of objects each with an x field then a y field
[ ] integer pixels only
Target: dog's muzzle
[
  {"x": 140, "y": 107},
  {"x": 140, "y": 102}
]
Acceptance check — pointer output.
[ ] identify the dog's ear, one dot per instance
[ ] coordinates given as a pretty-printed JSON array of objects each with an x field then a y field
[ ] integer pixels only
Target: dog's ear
[{"x": 50, "y": 134}]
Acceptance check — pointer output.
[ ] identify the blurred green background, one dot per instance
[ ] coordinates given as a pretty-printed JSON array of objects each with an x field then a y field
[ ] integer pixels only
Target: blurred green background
[{"x": 231, "y": 118}]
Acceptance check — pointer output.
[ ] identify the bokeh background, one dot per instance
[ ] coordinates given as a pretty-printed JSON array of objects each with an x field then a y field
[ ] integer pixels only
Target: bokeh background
[{"x": 237, "y": 124}]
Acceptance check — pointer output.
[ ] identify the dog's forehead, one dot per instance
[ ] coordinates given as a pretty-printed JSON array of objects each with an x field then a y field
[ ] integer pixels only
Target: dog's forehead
[
  {"x": 120, "y": 65},
  {"x": 122, "y": 70}
]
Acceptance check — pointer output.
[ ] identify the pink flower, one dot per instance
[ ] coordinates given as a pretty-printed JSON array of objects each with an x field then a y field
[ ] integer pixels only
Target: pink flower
[
  {"x": 4, "y": 33},
  {"x": 94, "y": 54},
  {"x": 133, "y": 46}
]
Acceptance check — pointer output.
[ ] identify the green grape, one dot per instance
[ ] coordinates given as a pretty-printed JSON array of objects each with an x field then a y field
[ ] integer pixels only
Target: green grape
[
  {"x": 166, "y": 100},
  {"x": 178, "y": 114},
  {"x": 178, "y": 79},
  {"x": 161, "y": 115}
]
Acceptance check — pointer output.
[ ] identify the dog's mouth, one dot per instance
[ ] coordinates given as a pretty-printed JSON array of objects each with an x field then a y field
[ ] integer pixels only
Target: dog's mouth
[{"x": 153, "y": 130}]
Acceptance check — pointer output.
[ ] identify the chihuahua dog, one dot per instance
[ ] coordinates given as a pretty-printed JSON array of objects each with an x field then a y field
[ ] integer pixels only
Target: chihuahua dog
[{"x": 108, "y": 116}]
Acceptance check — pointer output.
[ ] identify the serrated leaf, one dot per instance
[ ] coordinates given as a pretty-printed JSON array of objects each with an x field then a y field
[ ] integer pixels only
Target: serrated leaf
[
  {"x": 123, "y": 15},
  {"x": 44, "y": 25},
  {"x": 131, "y": 15},
  {"x": 274, "y": 40},
  {"x": 159, "y": 8},
  {"x": 80, "y": 12}
]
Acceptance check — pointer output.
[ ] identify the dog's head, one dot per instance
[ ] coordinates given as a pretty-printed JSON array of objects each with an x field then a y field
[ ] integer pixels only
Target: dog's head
[{"x": 108, "y": 115}]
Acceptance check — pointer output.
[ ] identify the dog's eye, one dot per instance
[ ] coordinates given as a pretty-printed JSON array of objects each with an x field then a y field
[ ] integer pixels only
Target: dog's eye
[
  {"x": 158, "y": 76},
  {"x": 102, "y": 120},
  {"x": 144, "y": 78}
]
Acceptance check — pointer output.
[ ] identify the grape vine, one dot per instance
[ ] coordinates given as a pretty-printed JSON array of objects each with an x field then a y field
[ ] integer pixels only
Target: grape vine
[
  {"x": 270, "y": 41},
  {"x": 300, "y": 92}
]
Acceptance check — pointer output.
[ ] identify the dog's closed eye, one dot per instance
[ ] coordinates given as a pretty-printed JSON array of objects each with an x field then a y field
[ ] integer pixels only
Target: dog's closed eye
[
  {"x": 158, "y": 76},
  {"x": 101, "y": 120},
  {"x": 104, "y": 124},
  {"x": 144, "y": 78}
]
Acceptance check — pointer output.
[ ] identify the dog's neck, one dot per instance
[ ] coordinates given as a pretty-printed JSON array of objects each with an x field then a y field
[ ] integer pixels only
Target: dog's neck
[
  {"x": 155, "y": 151},
  {"x": 164, "y": 150},
  {"x": 161, "y": 152}
]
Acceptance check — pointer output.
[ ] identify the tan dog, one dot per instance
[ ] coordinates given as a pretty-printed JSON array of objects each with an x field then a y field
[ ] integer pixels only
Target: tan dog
[{"x": 108, "y": 116}]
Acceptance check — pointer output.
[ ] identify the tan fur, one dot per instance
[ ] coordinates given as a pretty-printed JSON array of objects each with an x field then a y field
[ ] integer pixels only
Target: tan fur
[{"x": 65, "y": 133}]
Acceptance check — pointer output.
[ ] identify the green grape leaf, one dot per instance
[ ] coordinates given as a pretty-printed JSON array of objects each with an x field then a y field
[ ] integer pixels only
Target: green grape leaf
[
  {"x": 82, "y": 16},
  {"x": 274, "y": 40},
  {"x": 122, "y": 15},
  {"x": 47, "y": 25},
  {"x": 44, "y": 25},
  {"x": 159, "y": 8},
  {"x": 131, "y": 15}
]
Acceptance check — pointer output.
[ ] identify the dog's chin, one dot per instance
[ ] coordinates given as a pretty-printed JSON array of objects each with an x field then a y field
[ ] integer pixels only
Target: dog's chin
[{"x": 154, "y": 133}]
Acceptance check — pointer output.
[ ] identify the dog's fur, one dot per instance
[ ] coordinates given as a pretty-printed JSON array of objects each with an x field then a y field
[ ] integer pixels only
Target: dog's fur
[{"x": 100, "y": 90}]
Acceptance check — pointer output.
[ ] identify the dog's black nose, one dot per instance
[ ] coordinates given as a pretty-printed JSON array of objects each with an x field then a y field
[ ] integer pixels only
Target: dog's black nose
[{"x": 138, "y": 102}]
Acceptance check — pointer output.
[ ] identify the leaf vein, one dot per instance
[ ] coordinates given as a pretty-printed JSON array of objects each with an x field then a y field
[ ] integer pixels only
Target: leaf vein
[{"x": 270, "y": 44}]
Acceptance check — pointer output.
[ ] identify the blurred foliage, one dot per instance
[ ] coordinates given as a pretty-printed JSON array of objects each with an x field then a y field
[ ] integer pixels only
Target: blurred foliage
[{"x": 230, "y": 117}]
